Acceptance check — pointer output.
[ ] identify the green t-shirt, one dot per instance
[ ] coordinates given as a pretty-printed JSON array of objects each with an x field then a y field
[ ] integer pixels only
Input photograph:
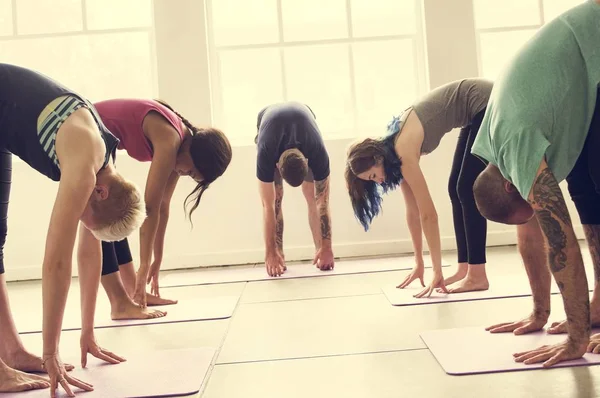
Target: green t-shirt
[{"x": 543, "y": 102}]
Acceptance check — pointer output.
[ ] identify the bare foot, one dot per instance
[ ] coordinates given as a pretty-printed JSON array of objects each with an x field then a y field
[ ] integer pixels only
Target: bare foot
[
  {"x": 12, "y": 380},
  {"x": 151, "y": 300},
  {"x": 561, "y": 327},
  {"x": 26, "y": 362},
  {"x": 133, "y": 311},
  {"x": 458, "y": 276},
  {"x": 470, "y": 284}
]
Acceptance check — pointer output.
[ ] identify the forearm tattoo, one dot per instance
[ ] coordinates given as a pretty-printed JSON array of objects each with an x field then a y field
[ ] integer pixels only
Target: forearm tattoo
[
  {"x": 551, "y": 211},
  {"x": 322, "y": 198},
  {"x": 278, "y": 216},
  {"x": 553, "y": 216},
  {"x": 592, "y": 235}
]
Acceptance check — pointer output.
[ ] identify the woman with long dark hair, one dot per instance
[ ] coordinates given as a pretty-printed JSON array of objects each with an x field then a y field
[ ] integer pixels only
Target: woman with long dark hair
[
  {"x": 376, "y": 166},
  {"x": 152, "y": 131}
]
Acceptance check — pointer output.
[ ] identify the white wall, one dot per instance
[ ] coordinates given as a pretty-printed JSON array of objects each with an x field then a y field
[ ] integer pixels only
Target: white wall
[{"x": 228, "y": 224}]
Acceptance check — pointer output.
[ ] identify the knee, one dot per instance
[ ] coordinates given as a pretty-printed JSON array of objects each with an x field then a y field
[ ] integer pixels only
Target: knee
[
  {"x": 453, "y": 189},
  {"x": 464, "y": 190}
]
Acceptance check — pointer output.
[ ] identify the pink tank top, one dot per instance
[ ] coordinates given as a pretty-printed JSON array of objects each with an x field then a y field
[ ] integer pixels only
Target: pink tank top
[{"x": 124, "y": 118}]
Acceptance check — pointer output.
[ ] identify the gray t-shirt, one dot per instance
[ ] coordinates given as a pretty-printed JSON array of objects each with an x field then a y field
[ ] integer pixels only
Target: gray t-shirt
[{"x": 450, "y": 106}]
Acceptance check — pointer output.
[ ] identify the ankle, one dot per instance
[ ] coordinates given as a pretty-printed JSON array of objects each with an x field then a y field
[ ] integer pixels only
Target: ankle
[
  {"x": 463, "y": 268},
  {"x": 477, "y": 271}
]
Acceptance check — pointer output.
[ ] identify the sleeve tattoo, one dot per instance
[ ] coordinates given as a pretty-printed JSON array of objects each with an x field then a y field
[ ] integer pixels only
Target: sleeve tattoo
[
  {"x": 322, "y": 198},
  {"x": 592, "y": 234},
  {"x": 278, "y": 215},
  {"x": 551, "y": 210},
  {"x": 553, "y": 216}
]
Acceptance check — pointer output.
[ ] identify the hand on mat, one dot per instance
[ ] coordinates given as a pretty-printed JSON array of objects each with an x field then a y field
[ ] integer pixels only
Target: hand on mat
[
  {"x": 438, "y": 281},
  {"x": 58, "y": 375},
  {"x": 417, "y": 273},
  {"x": 275, "y": 264},
  {"x": 532, "y": 323},
  {"x": 324, "y": 259},
  {"x": 594, "y": 346},
  {"x": 553, "y": 354},
  {"x": 90, "y": 346},
  {"x": 153, "y": 278}
]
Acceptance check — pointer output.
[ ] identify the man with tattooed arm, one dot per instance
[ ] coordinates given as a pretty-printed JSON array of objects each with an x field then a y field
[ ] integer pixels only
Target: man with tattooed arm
[
  {"x": 542, "y": 125},
  {"x": 290, "y": 148}
]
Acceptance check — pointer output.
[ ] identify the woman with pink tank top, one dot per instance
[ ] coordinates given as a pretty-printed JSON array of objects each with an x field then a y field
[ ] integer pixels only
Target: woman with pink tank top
[{"x": 151, "y": 131}]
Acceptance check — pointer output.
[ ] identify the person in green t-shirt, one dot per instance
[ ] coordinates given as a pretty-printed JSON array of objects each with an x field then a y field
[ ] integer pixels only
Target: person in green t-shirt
[{"x": 542, "y": 125}]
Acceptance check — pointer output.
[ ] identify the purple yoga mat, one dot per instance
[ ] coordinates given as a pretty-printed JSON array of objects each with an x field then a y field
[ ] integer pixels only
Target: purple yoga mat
[
  {"x": 474, "y": 350},
  {"x": 165, "y": 373}
]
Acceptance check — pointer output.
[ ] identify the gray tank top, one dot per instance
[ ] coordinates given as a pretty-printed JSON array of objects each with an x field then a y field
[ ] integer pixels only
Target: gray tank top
[{"x": 450, "y": 106}]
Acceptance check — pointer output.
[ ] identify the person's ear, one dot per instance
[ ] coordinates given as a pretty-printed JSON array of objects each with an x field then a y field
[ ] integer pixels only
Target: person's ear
[
  {"x": 100, "y": 192},
  {"x": 509, "y": 187}
]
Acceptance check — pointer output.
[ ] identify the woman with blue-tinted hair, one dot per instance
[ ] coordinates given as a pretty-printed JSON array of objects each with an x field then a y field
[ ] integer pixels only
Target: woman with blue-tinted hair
[{"x": 376, "y": 166}]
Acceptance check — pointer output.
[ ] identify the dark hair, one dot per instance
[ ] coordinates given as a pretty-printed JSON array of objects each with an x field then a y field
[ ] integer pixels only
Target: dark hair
[
  {"x": 366, "y": 195},
  {"x": 211, "y": 153},
  {"x": 293, "y": 167},
  {"x": 492, "y": 200}
]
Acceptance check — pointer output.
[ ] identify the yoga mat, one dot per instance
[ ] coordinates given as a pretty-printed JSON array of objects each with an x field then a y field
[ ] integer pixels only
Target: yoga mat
[
  {"x": 473, "y": 350},
  {"x": 259, "y": 273},
  {"x": 506, "y": 286},
  {"x": 165, "y": 373},
  {"x": 501, "y": 287},
  {"x": 201, "y": 309}
]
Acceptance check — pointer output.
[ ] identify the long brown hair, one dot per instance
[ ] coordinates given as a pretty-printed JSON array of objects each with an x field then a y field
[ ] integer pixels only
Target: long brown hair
[
  {"x": 366, "y": 195},
  {"x": 211, "y": 153}
]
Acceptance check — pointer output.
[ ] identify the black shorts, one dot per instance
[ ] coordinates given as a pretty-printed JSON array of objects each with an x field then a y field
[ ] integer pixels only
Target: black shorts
[
  {"x": 584, "y": 179},
  {"x": 115, "y": 254}
]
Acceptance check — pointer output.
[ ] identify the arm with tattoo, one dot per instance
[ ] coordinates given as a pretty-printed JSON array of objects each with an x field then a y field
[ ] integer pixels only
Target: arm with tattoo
[
  {"x": 279, "y": 215},
  {"x": 322, "y": 199},
  {"x": 564, "y": 255}
]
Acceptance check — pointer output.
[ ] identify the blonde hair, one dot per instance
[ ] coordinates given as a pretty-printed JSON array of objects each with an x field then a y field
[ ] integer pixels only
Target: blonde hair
[{"x": 121, "y": 213}]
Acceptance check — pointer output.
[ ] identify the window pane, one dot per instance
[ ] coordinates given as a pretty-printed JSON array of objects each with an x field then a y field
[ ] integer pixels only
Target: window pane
[
  {"x": 6, "y": 21},
  {"x": 314, "y": 19},
  {"x": 383, "y": 89},
  {"x": 250, "y": 80},
  {"x": 319, "y": 76},
  {"x": 553, "y": 8},
  {"x": 492, "y": 14},
  {"x": 117, "y": 14},
  {"x": 35, "y": 16},
  {"x": 98, "y": 66},
  {"x": 383, "y": 17},
  {"x": 238, "y": 22},
  {"x": 498, "y": 48}
]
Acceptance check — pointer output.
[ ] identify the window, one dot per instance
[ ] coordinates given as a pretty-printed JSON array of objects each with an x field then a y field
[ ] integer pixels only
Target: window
[
  {"x": 503, "y": 30},
  {"x": 90, "y": 46},
  {"x": 356, "y": 63}
]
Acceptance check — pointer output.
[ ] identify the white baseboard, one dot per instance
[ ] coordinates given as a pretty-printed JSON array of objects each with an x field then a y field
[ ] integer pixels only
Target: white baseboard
[{"x": 299, "y": 253}]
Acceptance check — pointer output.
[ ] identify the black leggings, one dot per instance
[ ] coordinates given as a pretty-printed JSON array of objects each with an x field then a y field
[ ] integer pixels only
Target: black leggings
[
  {"x": 115, "y": 254},
  {"x": 5, "y": 180},
  {"x": 470, "y": 227},
  {"x": 584, "y": 179}
]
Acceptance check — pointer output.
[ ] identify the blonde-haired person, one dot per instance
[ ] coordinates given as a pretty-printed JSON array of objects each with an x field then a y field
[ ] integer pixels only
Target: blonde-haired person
[
  {"x": 58, "y": 133},
  {"x": 290, "y": 148},
  {"x": 152, "y": 131},
  {"x": 375, "y": 166}
]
